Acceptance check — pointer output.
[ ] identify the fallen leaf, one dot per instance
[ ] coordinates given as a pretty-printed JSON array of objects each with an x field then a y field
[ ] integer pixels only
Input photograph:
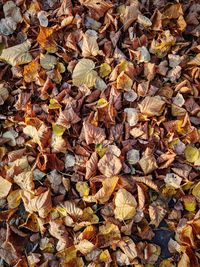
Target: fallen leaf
[
  {"x": 84, "y": 73},
  {"x": 90, "y": 46},
  {"x": 125, "y": 205},
  {"x": 17, "y": 55},
  {"x": 5, "y": 187},
  {"x": 46, "y": 40},
  {"x": 109, "y": 165},
  {"x": 152, "y": 106}
]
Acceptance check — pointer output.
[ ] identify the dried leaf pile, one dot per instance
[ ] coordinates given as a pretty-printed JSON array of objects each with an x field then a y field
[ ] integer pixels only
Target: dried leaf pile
[{"x": 99, "y": 134}]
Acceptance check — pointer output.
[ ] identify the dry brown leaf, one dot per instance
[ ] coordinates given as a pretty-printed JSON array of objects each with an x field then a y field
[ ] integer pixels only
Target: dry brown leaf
[
  {"x": 25, "y": 180},
  {"x": 108, "y": 186},
  {"x": 157, "y": 212},
  {"x": 91, "y": 166},
  {"x": 90, "y": 46},
  {"x": 93, "y": 134},
  {"x": 146, "y": 180},
  {"x": 152, "y": 106},
  {"x": 5, "y": 187},
  {"x": 96, "y": 7},
  {"x": 109, "y": 165},
  {"x": 125, "y": 205},
  {"x": 41, "y": 203}
]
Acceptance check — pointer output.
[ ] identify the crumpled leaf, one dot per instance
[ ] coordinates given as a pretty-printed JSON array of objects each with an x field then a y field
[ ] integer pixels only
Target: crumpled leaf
[
  {"x": 31, "y": 71},
  {"x": 109, "y": 165},
  {"x": 7, "y": 26},
  {"x": 124, "y": 82},
  {"x": 93, "y": 134},
  {"x": 84, "y": 73},
  {"x": 5, "y": 187},
  {"x": 90, "y": 46},
  {"x": 46, "y": 40},
  {"x": 108, "y": 186},
  {"x": 125, "y": 205},
  {"x": 85, "y": 246},
  {"x": 157, "y": 212},
  {"x": 91, "y": 166},
  {"x": 25, "y": 180},
  {"x": 152, "y": 106},
  {"x": 17, "y": 55},
  {"x": 173, "y": 180},
  {"x": 97, "y": 8},
  {"x": 163, "y": 44},
  {"x": 41, "y": 203}
]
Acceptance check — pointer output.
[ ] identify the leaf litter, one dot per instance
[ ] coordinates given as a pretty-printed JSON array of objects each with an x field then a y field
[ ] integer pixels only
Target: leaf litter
[{"x": 99, "y": 133}]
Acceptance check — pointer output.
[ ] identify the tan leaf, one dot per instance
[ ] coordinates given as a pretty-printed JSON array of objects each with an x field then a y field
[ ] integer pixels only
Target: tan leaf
[
  {"x": 129, "y": 15},
  {"x": 125, "y": 205},
  {"x": 5, "y": 187},
  {"x": 124, "y": 82},
  {"x": 141, "y": 197},
  {"x": 152, "y": 106},
  {"x": 93, "y": 134},
  {"x": 109, "y": 234},
  {"x": 109, "y": 165},
  {"x": 96, "y": 7},
  {"x": 90, "y": 46},
  {"x": 17, "y": 55},
  {"x": 128, "y": 247},
  {"x": 91, "y": 166},
  {"x": 148, "y": 163},
  {"x": 72, "y": 209},
  {"x": 14, "y": 199},
  {"x": 84, "y": 73},
  {"x": 157, "y": 212},
  {"x": 85, "y": 246},
  {"x": 41, "y": 203},
  {"x": 108, "y": 186},
  {"x": 67, "y": 117},
  {"x": 146, "y": 180},
  {"x": 25, "y": 180}
]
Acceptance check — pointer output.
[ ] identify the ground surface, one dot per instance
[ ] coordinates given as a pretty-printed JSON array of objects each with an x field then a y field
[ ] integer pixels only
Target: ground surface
[{"x": 99, "y": 134}]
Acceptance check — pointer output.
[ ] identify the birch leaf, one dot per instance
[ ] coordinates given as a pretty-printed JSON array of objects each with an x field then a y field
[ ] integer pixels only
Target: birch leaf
[
  {"x": 125, "y": 205},
  {"x": 17, "y": 55},
  {"x": 84, "y": 73}
]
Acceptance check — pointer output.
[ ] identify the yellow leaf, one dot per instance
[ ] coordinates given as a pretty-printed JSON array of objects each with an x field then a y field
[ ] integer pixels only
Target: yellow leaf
[
  {"x": 189, "y": 203},
  {"x": 82, "y": 188},
  {"x": 125, "y": 205},
  {"x": 46, "y": 40},
  {"x": 31, "y": 71},
  {"x": 101, "y": 102},
  {"x": 54, "y": 104},
  {"x": 14, "y": 199},
  {"x": 196, "y": 191},
  {"x": 58, "y": 130},
  {"x": 105, "y": 70},
  {"x": 191, "y": 153}
]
